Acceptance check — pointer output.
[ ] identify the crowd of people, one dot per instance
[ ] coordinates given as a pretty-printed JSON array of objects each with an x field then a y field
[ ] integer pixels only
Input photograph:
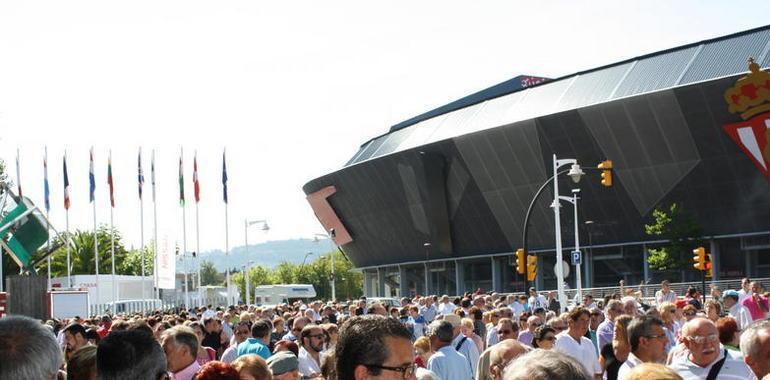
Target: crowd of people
[{"x": 475, "y": 336}]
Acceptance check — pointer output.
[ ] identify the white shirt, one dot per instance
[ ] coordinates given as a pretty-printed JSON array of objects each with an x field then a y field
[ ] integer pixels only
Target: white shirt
[
  {"x": 630, "y": 363},
  {"x": 517, "y": 308},
  {"x": 307, "y": 364},
  {"x": 742, "y": 295},
  {"x": 734, "y": 367},
  {"x": 741, "y": 315},
  {"x": 660, "y": 297},
  {"x": 535, "y": 302},
  {"x": 446, "y": 308},
  {"x": 230, "y": 354},
  {"x": 584, "y": 352},
  {"x": 209, "y": 313}
]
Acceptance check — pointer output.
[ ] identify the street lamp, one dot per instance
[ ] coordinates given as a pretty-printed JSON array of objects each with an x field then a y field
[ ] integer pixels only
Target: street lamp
[
  {"x": 575, "y": 173},
  {"x": 578, "y": 276},
  {"x": 246, "y": 279},
  {"x": 303, "y": 261},
  {"x": 331, "y": 237},
  {"x": 246, "y": 224}
]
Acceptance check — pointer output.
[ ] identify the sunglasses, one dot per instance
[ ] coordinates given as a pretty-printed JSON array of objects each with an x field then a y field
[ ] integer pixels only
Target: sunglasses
[
  {"x": 506, "y": 332},
  {"x": 549, "y": 338}
]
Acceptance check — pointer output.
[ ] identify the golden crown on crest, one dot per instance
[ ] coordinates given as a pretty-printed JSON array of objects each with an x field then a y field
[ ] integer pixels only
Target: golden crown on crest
[{"x": 751, "y": 94}]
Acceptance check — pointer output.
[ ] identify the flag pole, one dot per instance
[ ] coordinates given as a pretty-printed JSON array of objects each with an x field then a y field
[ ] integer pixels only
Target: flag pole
[
  {"x": 141, "y": 229},
  {"x": 47, "y": 211},
  {"x": 96, "y": 237},
  {"x": 112, "y": 231},
  {"x": 227, "y": 229},
  {"x": 155, "y": 227},
  {"x": 67, "y": 218},
  {"x": 196, "y": 184},
  {"x": 184, "y": 228},
  {"x": 18, "y": 173}
]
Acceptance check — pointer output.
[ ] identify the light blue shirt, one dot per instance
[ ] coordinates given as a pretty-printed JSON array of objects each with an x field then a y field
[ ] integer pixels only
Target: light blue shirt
[
  {"x": 449, "y": 364},
  {"x": 254, "y": 346},
  {"x": 469, "y": 350}
]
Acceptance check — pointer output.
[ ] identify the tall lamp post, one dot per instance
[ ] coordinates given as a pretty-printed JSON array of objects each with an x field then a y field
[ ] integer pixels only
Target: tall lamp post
[
  {"x": 331, "y": 237},
  {"x": 303, "y": 262},
  {"x": 576, "y": 173},
  {"x": 578, "y": 276},
  {"x": 246, "y": 224}
]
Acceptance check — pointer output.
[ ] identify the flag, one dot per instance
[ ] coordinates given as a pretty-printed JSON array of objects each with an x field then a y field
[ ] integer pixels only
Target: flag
[
  {"x": 109, "y": 180},
  {"x": 46, "y": 190},
  {"x": 140, "y": 175},
  {"x": 18, "y": 173},
  {"x": 224, "y": 177},
  {"x": 181, "y": 181},
  {"x": 66, "y": 185},
  {"x": 196, "y": 185},
  {"x": 152, "y": 174},
  {"x": 91, "y": 179}
]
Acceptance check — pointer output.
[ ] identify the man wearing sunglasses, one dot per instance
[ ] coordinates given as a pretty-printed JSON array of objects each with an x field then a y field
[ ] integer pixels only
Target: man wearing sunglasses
[
  {"x": 312, "y": 339},
  {"x": 706, "y": 358},
  {"x": 533, "y": 323}
]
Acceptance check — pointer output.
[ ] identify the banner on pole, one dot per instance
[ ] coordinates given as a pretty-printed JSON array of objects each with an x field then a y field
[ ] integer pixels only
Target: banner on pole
[{"x": 166, "y": 264}]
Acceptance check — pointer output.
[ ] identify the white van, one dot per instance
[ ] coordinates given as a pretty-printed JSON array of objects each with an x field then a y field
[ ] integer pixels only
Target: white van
[{"x": 276, "y": 294}]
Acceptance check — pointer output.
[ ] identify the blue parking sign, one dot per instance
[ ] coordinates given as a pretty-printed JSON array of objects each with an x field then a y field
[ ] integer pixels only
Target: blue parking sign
[{"x": 577, "y": 258}]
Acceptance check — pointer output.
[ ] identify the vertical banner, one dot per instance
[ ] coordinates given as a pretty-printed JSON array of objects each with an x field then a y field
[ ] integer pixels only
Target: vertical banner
[{"x": 166, "y": 264}]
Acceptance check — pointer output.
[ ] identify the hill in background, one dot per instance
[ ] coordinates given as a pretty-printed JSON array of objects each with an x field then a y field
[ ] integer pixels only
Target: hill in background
[{"x": 268, "y": 254}]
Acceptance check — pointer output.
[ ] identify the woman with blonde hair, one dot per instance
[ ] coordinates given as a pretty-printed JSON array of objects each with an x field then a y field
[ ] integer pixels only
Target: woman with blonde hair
[
  {"x": 422, "y": 351},
  {"x": 466, "y": 326},
  {"x": 667, "y": 312},
  {"x": 613, "y": 356},
  {"x": 652, "y": 371}
]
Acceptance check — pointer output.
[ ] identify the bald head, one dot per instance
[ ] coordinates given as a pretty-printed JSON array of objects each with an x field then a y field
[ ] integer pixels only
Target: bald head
[{"x": 503, "y": 353}]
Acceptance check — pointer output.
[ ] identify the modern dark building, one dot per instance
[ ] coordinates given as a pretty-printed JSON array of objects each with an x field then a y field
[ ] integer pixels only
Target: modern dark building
[{"x": 439, "y": 201}]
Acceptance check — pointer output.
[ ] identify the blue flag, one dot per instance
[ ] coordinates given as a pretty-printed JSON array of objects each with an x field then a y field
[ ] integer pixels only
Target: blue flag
[
  {"x": 91, "y": 179},
  {"x": 46, "y": 190},
  {"x": 224, "y": 177}
]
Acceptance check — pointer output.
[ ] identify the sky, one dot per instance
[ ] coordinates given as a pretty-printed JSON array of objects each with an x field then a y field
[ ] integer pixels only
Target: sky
[{"x": 290, "y": 89}]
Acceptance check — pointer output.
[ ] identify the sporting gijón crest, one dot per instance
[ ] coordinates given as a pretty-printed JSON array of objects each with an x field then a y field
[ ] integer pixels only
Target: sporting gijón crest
[{"x": 750, "y": 97}]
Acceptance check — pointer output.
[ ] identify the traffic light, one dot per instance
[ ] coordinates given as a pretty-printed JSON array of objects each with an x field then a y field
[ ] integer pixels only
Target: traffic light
[
  {"x": 531, "y": 267},
  {"x": 606, "y": 168},
  {"x": 709, "y": 266},
  {"x": 520, "y": 261},
  {"x": 699, "y": 258}
]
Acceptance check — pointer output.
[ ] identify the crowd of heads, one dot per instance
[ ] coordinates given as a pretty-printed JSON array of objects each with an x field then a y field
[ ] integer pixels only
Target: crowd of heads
[{"x": 477, "y": 335}]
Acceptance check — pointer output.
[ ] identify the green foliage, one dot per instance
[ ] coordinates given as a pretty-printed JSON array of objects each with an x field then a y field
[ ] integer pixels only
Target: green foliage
[
  {"x": 209, "y": 274},
  {"x": 82, "y": 254},
  {"x": 680, "y": 230},
  {"x": 349, "y": 283},
  {"x": 132, "y": 263}
]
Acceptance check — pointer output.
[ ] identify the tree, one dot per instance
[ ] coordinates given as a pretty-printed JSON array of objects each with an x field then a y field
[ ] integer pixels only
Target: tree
[
  {"x": 680, "y": 230},
  {"x": 209, "y": 274},
  {"x": 132, "y": 263},
  {"x": 82, "y": 254}
]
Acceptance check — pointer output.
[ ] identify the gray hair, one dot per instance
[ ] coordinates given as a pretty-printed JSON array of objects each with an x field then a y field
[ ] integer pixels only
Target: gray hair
[
  {"x": 182, "y": 336},
  {"x": 641, "y": 327},
  {"x": 750, "y": 346},
  {"x": 542, "y": 364},
  {"x": 28, "y": 350},
  {"x": 443, "y": 330}
]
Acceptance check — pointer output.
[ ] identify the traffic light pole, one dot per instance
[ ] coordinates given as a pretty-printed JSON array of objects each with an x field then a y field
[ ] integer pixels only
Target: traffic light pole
[{"x": 526, "y": 224}]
